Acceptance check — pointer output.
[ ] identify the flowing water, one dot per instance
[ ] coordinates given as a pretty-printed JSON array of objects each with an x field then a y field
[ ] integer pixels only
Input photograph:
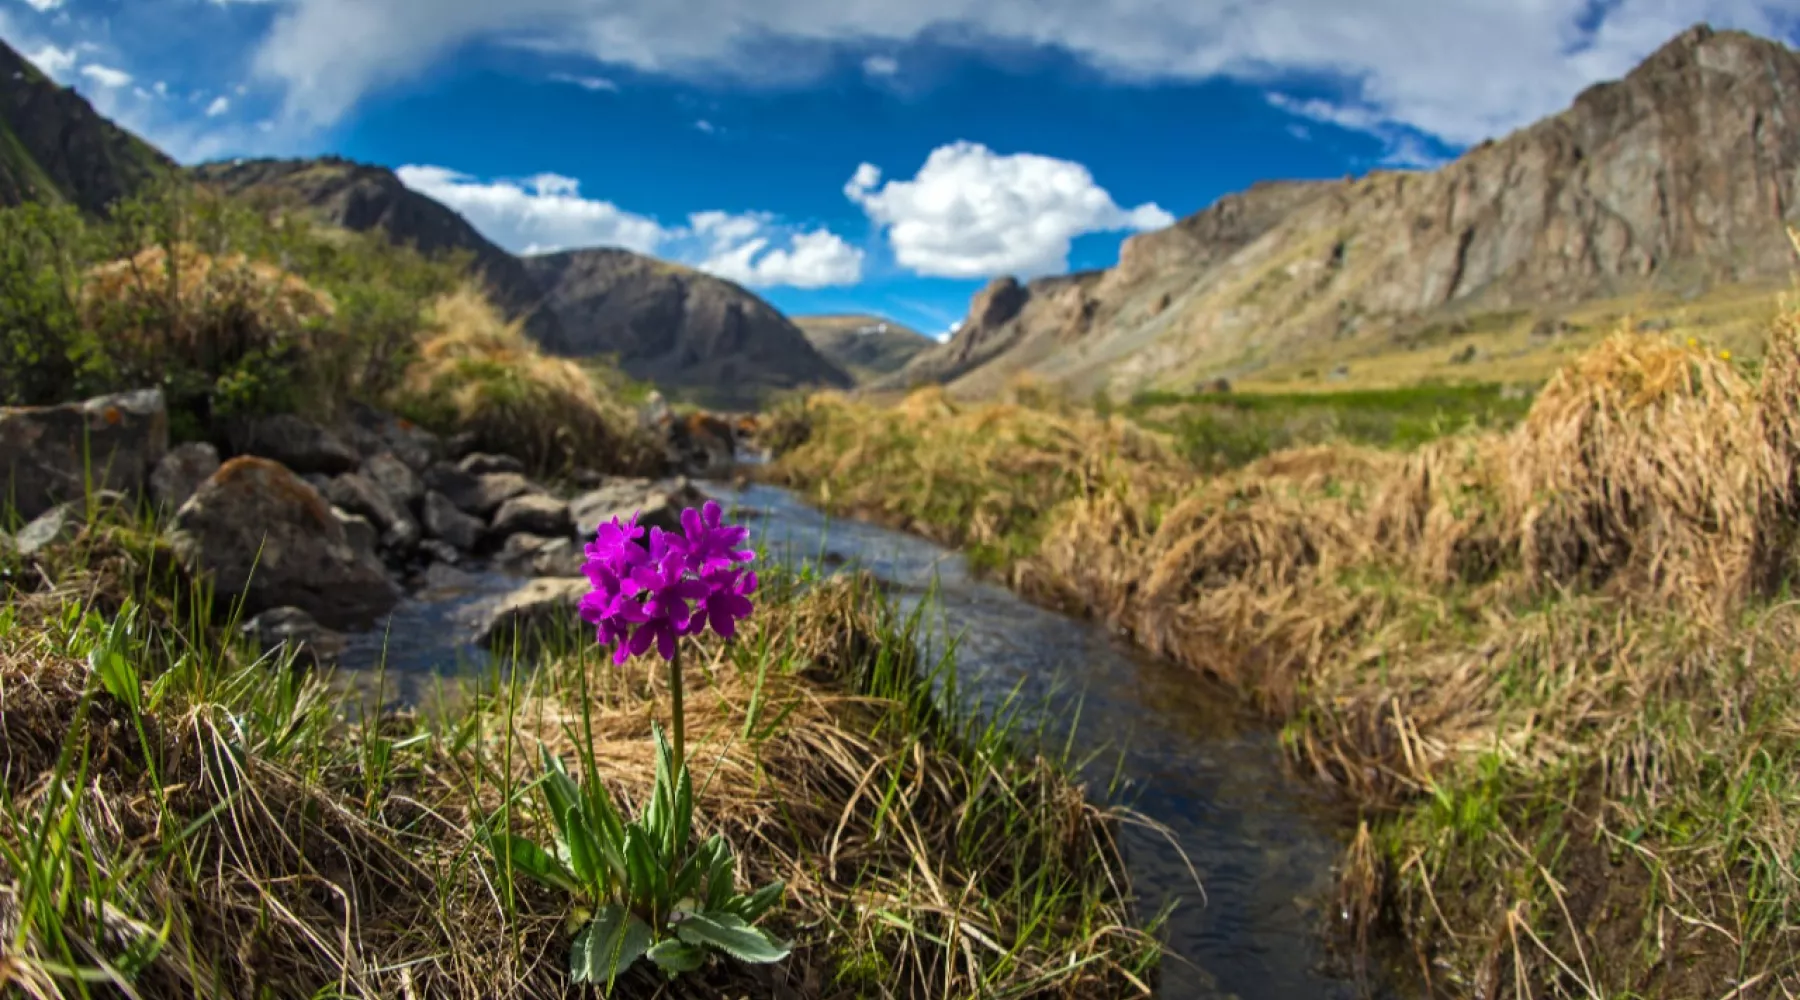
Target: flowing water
[{"x": 1193, "y": 761}]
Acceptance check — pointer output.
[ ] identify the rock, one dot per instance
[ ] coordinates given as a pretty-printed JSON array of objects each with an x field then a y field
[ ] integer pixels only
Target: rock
[
  {"x": 312, "y": 643},
  {"x": 61, "y": 523},
  {"x": 541, "y": 608},
  {"x": 481, "y": 463},
  {"x": 586, "y": 479},
  {"x": 375, "y": 433},
  {"x": 180, "y": 473},
  {"x": 397, "y": 479},
  {"x": 317, "y": 482},
  {"x": 536, "y": 513},
  {"x": 358, "y": 494},
  {"x": 271, "y": 539},
  {"x": 456, "y": 446},
  {"x": 446, "y": 522},
  {"x": 479, "y": 495},
  {"x": 440, "y": 551},
  {"x": 49, "y": 454},
  {"x": 540, "y": 556},
  {"x": 444, "y": 580},
  {"x": 362, "y": 535},
  {"x": 659, "y": 504},
  {"x": 299, "y": 444}
]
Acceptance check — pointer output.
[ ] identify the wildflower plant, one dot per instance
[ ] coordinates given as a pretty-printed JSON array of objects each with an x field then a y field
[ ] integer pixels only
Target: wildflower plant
[{"x": 653, "y": 896}]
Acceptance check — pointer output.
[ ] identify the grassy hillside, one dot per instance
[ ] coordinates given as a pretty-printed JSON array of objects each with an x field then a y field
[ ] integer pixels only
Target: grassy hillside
[{"x": 867, "y": 347}]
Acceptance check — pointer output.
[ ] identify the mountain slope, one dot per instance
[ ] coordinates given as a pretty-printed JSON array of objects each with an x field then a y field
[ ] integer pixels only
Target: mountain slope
[
  {"x": 867, "y": 347},
  {"x": 677, "y": 327},
  {"x": 1680, "y": 177},
  {"x": 360, "y": 197},
  {"x": 55, "y": 147}
]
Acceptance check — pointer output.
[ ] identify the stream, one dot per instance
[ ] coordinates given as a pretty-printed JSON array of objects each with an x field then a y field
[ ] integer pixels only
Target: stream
[{"x": 1194, "y": 760}]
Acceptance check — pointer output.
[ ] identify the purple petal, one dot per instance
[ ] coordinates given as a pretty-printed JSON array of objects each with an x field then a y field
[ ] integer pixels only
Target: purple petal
[
  {"x": 722, "y": 622},
  {"x": 665, "y": 643}
]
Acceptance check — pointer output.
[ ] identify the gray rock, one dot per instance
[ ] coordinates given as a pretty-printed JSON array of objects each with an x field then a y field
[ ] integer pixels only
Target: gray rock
[
  {"x": 440, "y": 551},
  {"x": 61, "y": 523},
  {"x": 538, "y": 610},
  {"x": 445, "y": 521},
  {"x": 397, "y": 479},
  {"x": 362, "y": 535},
  {"x": 299, "y": 444},
  {"x": 540, "y": 556},
  {"x": 312, "y": 643},
  {"x": 443, "y": 579},
  {"x": 375, "y": 432},
  {"x": 358, "y": 494},
  {"x": 482, "y": 463},
  {"x": 533, "y": 513},
  {"x": 480, "y": 495},
  {"x": 270, "y": 539},
  {"x": 50, "y": 454},
  {"x": 181, "y": 472},
  {"x": 658, "y": 503}
]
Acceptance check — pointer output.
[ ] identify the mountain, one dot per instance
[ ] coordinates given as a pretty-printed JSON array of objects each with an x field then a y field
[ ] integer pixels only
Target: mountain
[
  {"x": 361, "y": 197},
  {"x": 867, "y": 347},
  {"x": 677, "y": 327},
  {"x": 1677, "y": 179},
  {"x": 55, "y": 147}
]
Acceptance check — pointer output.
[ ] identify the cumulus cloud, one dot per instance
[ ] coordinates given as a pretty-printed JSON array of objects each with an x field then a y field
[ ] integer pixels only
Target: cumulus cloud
[
  {"x": 881, "y": 65},
  {"x": 973, "y": 213},
  {"x": 106, "y": 76},
  {"x": 53, "y": 61},
  {"x": 548, "y": 212},
  {"x": 1460, "y": 70},
  {"x": 219, "y": 106},
  {"x": 594, "y": 83},
  {"x": 43, "y": 6}
]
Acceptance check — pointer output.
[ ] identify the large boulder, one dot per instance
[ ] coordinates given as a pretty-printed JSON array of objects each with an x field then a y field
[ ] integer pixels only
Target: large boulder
[
  {"x": 181, "y": 472},
  {"x": 268, "y": 537},
  {"x": 477, "y": 494},
  {"x": 50, "y": 454},
  {"x": 542, "y": 610},
  {"x": 658, "y": 503},
  {"x": 445, "y": 521},
  {"x": 532, "y": 513},
  {"x": 299, "y": 444}
]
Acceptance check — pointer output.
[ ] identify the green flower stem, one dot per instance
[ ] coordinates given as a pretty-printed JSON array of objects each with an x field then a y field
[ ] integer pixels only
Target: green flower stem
[{"x": 678, "y": 723}]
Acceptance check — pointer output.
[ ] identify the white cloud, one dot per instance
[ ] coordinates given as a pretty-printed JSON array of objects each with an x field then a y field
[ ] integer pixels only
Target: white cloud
[
  {"x": 43, "y": 6},
  {"x": 547, "y": 212},
  {"x": 106, "y": 76},
  {"x": 881, "y": 65},
  {"x": 219, "y": 106},
  {"x": 595, "y": 83},
  {"x": 973, "y": 213},
  {"x": 53, "y": 61},
  {"x": 1460, "y": 70},
  {"x": 705, "y": 126}
]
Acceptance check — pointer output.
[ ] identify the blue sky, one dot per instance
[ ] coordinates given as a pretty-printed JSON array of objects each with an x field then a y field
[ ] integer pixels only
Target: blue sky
[{"x": 846, "y": 155}]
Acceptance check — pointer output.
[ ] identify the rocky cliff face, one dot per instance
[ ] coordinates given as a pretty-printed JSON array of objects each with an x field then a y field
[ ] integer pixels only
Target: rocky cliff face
[
  {"x": 1681, "y": 175},
  {"x": 360, "y": 197},
  {"x": 55, "y": 147},
  {"x": 677, "y": 327}
]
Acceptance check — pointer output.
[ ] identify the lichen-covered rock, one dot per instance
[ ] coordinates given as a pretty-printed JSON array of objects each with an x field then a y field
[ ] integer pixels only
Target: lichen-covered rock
[
  {"x": 271, "y": 539},
  {"x": 51, "y": 454},
  {"x": 181, "y": 472}
]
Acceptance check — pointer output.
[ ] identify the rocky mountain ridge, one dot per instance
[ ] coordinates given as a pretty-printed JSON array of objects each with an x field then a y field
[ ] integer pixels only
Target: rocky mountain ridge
[
  {"x": 868, "y": 347},
  {"x": 1682, "y": 175},
  {"x": 55, "y": 147}
]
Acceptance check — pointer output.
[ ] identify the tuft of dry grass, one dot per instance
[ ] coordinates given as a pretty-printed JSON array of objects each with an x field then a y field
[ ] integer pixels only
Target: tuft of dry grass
[{"x": 477, "y": 373}]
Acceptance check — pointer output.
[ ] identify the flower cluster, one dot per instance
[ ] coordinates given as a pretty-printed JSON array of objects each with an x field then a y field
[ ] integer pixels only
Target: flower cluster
[{"x": 643, "y": 592}]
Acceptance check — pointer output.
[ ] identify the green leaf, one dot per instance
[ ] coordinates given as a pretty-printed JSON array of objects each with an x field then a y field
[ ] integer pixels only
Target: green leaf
[
  {"x": 531, "y": 859},
  {"x": 721, "y": 878},
  {"x": 649, "y": 883},
  {"x": 731, "y": 935},
  {"x": 757, "y": 903},
  {"x": 608, "y": 946},
  {"x": 675, "y": 956},
  {"x": 682, "y": 819},
  {"x": 584, "y": 851}
]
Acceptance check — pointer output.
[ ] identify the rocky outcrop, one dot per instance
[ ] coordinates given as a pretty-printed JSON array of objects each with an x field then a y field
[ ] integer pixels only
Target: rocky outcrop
[
  {"x": 361, "y": 197},
  {"x": 266, "y": 536},
  {"x": 1684, "y": 174},
  {"x": 57, "y": 147},
  {"x": 51, "y": 454},
  {"x": 674, "y": 326}
]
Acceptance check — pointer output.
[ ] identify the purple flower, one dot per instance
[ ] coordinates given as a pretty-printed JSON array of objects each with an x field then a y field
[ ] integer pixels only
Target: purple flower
[{"x": 642, "y": 593}]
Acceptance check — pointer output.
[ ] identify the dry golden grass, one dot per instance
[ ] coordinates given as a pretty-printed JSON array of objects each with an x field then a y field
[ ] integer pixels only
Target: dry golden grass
[{"x": 478, "y": 373}]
